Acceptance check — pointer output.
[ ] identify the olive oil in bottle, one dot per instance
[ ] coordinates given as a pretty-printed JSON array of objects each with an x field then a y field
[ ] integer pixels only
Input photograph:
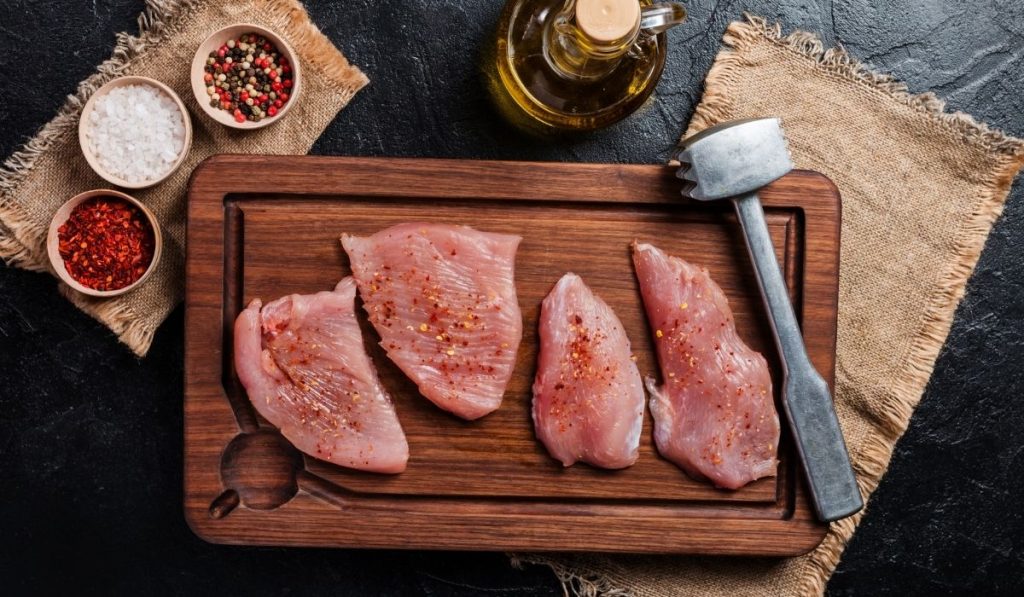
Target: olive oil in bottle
[{"x": 577, "y": 65}]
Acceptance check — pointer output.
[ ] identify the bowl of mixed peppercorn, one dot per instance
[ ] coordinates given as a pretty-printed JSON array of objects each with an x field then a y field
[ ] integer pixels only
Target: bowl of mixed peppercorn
[
  {"x": 245, "y": 76},
  {"x": 103, "y": 243}
]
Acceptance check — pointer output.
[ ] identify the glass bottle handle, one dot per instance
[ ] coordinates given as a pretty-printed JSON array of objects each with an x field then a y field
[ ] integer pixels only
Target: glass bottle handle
[{"x": 660, "y": 17}]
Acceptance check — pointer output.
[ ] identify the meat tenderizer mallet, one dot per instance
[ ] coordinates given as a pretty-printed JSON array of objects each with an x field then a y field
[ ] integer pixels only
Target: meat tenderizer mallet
[{"x": 733, "y": 160}]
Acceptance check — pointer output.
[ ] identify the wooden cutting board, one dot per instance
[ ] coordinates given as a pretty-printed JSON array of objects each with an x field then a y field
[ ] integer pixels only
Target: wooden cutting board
[{"x": 269, "y": 226}]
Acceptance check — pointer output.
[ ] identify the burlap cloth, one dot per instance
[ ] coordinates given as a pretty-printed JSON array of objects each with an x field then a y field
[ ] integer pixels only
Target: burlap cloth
[
  {"x": 50, "y": 169},
  {"x": 921, "y": 189}
]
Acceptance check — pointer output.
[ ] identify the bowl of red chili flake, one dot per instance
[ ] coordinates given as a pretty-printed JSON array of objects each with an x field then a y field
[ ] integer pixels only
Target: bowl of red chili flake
[{"x": 103, "y": 243}]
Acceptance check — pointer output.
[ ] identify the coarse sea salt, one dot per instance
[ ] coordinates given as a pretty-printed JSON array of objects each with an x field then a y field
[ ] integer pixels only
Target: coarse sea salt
[{"x": 136, "y": 132}]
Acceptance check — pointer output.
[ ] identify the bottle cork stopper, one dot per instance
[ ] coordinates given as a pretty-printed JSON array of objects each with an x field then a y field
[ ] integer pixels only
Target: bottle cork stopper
[{"x": 607, "y": 20}]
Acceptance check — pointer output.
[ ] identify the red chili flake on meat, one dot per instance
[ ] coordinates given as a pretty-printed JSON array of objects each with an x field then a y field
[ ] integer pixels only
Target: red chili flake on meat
[{"x": 106, "y": 243}]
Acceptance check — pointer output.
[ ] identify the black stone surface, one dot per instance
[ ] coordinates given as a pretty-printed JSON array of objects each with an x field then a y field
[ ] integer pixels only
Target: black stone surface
[{"x": 90, "y": 437}]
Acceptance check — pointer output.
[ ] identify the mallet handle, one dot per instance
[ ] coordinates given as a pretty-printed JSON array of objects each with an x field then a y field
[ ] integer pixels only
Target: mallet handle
[{"x": 805, "y": 396}]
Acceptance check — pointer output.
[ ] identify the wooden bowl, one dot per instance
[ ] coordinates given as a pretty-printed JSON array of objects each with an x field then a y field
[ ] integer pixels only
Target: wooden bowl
[
  {"x": 53, "y": 242},
  {"x": 90, "y": 106},
  {"x": 215, "y": 41}
]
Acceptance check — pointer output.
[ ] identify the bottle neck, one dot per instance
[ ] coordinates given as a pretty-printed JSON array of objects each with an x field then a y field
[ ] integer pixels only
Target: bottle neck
[{"x": 576, "y": 55}]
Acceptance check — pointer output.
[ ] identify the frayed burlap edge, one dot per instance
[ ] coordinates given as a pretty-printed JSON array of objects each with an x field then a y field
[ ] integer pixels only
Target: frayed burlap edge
[
  {"x": 573, "y": 581},
  {"x": 22, "y": 242},
  {"x": 874, "y": 455},
  {"x": 316, "y": 50},
  {"x": 716, "y": 104}
]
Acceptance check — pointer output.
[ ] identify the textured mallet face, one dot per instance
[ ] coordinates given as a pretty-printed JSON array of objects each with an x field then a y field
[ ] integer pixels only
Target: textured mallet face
[{"x": 733, "y": 158}]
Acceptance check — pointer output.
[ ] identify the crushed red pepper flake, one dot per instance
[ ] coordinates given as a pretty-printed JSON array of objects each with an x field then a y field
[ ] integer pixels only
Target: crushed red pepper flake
[{"x": 106, "y": 243}]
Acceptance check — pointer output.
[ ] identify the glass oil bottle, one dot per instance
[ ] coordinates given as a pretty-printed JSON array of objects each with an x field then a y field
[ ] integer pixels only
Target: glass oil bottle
[{"x": 577, "y": 65}]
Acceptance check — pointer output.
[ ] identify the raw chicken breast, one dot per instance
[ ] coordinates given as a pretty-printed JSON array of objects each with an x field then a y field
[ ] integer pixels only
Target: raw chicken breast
[
  {"x": 588, "y": 398},
  {"x": 443, "y": 300},
  {"x": 302, "y": 362},
  {"x": 714, "y": 416}
]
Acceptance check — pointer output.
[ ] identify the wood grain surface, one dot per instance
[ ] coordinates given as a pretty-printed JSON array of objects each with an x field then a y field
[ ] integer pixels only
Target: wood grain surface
[{"x": 486, "y": 484}]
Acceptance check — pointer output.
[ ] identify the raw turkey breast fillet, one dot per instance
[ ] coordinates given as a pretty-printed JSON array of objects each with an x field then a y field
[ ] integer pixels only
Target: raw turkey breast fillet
[
  {"x": 588, "y": 396},
  {"x": 302, "y": 363},
  {"x": 714, "y": 414},
  {"x": 443, "y": 300}
]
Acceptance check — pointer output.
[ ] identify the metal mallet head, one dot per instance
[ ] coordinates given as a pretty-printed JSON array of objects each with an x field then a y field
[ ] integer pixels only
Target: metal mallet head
[{"x": 733, "y": 158}]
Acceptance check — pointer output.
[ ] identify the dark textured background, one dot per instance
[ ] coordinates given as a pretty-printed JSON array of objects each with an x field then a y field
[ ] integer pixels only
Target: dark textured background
[{"x": 90, "y": 437}]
